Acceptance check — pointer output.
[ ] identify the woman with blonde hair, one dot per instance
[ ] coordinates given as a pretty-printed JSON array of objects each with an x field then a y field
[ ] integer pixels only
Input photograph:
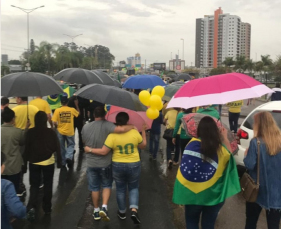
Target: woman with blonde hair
[{"x": 268, "y": 134}]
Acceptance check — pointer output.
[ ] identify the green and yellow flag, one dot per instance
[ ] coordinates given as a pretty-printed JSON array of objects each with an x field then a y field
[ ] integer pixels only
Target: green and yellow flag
[{"x": 207, "y": 182}]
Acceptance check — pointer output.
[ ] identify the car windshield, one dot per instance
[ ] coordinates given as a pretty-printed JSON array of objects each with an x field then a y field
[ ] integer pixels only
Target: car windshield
[{"x": 250, "y": 119}]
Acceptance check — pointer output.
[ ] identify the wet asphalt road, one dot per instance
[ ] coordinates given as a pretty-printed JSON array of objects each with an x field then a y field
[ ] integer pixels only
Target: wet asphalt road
[{"x": 72, "y": 206}]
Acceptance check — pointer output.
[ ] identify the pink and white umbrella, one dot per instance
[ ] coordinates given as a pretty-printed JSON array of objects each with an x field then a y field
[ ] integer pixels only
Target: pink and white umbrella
[
  {"x": 219, "y": 89},
  {"x": 136, "y": 118}
]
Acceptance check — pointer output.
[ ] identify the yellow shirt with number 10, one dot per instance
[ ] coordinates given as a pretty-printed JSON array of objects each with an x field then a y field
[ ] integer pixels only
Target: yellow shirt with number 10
[{"x": 124, "y": 146}]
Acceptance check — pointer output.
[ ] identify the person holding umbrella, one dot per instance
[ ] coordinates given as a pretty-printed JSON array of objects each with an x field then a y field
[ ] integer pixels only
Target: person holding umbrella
[{"x": 126, "y": 164}]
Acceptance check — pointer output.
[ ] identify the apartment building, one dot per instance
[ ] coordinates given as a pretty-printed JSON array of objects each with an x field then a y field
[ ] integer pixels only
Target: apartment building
[{"x": 219, "y": 36}]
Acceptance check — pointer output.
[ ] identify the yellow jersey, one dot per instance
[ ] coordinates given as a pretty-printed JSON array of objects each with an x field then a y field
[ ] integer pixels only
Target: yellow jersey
[
  {"x": 171, "y": 117},
  {"x": 124, "y": 146},
  {"x": 64, "y": 116},
  {"x": 21, "y": 115},
  {"x": 235, "y": 107},
  {"x": 41, "y": 104}
]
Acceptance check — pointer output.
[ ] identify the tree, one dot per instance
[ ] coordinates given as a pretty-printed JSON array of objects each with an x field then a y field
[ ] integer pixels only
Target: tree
[
  {"x": 17, "y": 62},
  {"x": 277, "y": 79},
  {"x": 220, "y": 70},
  {"x": 258, "y": 67},
  {"x": 249, "y": 65},
  {"x": 277, "y": 66},
  {"x": 4, "y": 70},
  {"x": 240, "y": 64},
  {"x": 228, "y": 62},
  {"x": 32, "y": 46}
]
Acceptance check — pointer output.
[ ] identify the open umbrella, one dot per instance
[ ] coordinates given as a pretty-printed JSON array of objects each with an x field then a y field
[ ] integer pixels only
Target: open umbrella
[
  {"x": 78, "y": 75},
  {"x": 143, "y": 82},
  {"x": 170, "y": 90},
  {"x": 104, "y": 77},
  {"x": 117, "y": 83},
  {"x": 219, "y": 89},
  {"x": 111, "y": 95},
  {"x": 24, "y": 84},
  {"x": 183, "y": 76},
  {"x": 136, "y": 118}
]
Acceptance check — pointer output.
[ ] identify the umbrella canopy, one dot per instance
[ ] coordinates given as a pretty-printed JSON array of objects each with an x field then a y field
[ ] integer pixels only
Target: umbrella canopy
[
  {"x": 183, "y": 76},
  {"x": 111, "y": 95},
  {"x": 172, "y": 75},
  {"x": 170, "y": 90},
  {"x": 178, "y": 83},
  {"x": 190, "y": 124},
  {"x": 143, "y": 82},
  {"x": 136, "y": 118},
  {"x": 29, "y": 84},
  {"x": 78, "y": 75},
  {"x": 117, "y": 83},
  {"x": 219, "y": 89},
  {"x": 104, "y": 77}
]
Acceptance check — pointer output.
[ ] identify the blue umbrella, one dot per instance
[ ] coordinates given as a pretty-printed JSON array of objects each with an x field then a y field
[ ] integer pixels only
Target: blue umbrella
[{"x": 143, "y": 82}]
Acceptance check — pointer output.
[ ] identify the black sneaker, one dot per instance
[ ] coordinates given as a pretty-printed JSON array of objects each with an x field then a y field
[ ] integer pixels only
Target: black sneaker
[
  {"x": 104, "y": 214},
  {"x": 135, "y": 217},
  {"x": 30, "y": 216},
  {"x": 69, "y": 163},
  {"x": 96, "y": 215},
  {"x": 121, "y": 215}
]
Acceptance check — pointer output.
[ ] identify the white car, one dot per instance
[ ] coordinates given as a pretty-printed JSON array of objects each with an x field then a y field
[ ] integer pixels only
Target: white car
[{"x": 245, "y": 132}]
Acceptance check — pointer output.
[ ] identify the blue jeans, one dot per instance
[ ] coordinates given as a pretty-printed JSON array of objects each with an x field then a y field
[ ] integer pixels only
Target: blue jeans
[
  {"x": 66, "y": 152},
  {"x": 154, "y": 144},
  {"x": 209, "y": 216},
  {"x": 99, "y": 176},
  {"x": 127, "y": 176}
]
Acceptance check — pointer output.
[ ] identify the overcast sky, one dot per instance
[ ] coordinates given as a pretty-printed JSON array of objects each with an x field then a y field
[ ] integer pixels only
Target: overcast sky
[{"x": 151, "y": 27}]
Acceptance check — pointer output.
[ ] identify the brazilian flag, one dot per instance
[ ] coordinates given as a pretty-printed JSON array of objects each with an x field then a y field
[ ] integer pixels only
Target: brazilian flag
[
  {"x": 207, "y": 182},
  {"x": 54, "y": 100}
]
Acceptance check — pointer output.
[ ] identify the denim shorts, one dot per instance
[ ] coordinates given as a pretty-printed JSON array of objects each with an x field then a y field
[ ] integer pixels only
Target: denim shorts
[{"x": 98, "y": 177}]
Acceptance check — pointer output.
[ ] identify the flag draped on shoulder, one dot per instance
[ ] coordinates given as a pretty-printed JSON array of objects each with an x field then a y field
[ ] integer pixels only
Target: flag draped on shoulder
[{"x": 205, "y": 182}]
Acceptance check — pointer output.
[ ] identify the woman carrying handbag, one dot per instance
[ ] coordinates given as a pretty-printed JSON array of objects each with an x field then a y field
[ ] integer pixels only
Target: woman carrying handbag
[{"x": 268, "y": 134}]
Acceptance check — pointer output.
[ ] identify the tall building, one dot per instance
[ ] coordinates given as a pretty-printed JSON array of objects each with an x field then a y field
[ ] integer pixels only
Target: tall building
[
  {"x": 134, "y": 61},
  {"x": 245, "y": 40},
  {"x": 219, "y": 36},
  {"x": 4, "y": 59}
]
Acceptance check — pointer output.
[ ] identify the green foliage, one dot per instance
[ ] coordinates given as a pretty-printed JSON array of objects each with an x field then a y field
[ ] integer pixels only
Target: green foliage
[
  {"x": 277, "y": 79},
  {"x": 4, "y": 70},
  {"x": 16, "y": 62},
  {"x": 228, "y": 61},
  {"x": 220, "y": 70},
  {"x": 53, "y": 58},
  {"x": 32, "y": 46}
]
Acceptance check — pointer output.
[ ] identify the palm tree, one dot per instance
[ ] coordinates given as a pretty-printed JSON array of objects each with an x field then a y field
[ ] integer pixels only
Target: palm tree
[
  {"x": 240, "y": 63},
  {"x": 258, "y": 67},
  {"x": 249, "y": 65},
  {"x": 228, "y": 61}
]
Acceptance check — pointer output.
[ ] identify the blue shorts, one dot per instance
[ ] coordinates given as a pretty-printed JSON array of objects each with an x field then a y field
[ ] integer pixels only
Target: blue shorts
[{"x": 98, "y": 177}]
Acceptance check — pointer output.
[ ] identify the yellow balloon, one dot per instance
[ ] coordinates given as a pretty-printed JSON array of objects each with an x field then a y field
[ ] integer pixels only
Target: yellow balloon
[
  {"x": 152, "y": 113},
  {"x": 144, "y": 97},
  {"x": 158, "y": 90},
  {"x": 154, "y": 101},
  {"x": 159, "y": 106}
]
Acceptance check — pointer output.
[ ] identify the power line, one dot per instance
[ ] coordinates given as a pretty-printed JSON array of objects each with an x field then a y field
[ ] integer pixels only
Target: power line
[
  {"x": 13, "y": 46},
  {"x": 11, "y": 50}
]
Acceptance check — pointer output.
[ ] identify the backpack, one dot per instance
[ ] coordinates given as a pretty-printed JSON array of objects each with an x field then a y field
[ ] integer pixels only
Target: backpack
[{"x": 276, "y": 96}]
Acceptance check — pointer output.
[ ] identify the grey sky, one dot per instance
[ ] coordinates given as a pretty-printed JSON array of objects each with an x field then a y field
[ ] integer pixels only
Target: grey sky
[{"x": 151, "y": 27}]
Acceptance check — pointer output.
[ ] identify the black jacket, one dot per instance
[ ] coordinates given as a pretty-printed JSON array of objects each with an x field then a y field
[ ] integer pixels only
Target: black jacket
[{"x": 40, "y": 145}]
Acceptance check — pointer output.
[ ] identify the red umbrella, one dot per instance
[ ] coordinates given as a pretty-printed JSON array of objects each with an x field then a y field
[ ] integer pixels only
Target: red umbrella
[{"x": 136, "y": 118}]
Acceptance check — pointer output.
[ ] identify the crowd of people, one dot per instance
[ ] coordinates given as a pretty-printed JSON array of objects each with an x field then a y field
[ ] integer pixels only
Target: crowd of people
[{"x": 37, "y": 138}]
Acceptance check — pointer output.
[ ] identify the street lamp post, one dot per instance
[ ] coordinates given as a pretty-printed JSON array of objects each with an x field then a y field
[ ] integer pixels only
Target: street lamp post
[
  {"x": 182, "y": 48},
  {"x": 28, "y": 11},
  {"x": 72, "y": 37}
]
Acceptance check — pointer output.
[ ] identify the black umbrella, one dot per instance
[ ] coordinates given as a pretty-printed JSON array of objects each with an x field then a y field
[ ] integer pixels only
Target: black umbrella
[
  {"x": 104, "y": 77},
  {"x": 78, "y": 75},
  {"x": 172, "y": 76},
  {"x": 23, "y": 84},
  {"x": 111, "y": 95},
  {"x": 117, "y": 83},
  {"x": 183, "y": 76}
]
